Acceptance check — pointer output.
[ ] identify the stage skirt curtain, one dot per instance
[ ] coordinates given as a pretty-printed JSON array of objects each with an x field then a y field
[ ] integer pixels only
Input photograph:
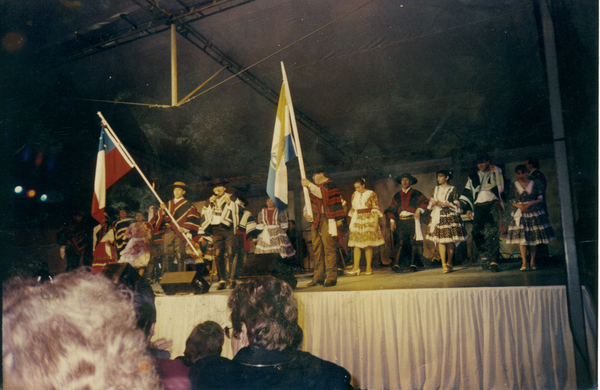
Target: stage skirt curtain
[{"x": 469, "y": 338}]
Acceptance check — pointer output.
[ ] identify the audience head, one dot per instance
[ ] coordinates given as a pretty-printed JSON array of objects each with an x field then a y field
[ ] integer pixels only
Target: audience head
[
  {"x": 75, "y": 332},
  {"x": 264, "y": 314},
  {"x": 205, "y": 340}
]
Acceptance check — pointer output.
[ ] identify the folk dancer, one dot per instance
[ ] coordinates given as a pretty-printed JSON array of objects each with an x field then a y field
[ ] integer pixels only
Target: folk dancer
[
  {"x": 187, "y": 218},
  {"x": 404, "y": 213},
  {"x": 328, "y": 216},
  {"x": 482, "y": 199},
  {"x": 220, "y": 220}
]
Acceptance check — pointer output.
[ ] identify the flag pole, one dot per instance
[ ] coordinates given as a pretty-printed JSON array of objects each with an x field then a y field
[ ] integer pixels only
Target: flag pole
[
  {"x": 296, "y": 139},
  {"x": 132, "y": 163}
]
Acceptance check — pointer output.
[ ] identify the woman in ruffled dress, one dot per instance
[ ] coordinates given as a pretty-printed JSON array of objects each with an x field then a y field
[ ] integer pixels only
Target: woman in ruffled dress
[
  {"x": 364, "y": 226},
  {"x": 137, "y": 251},
  {"x": 530, "y": 225},
  {"x": 446, "y": 227},
  {"x": 274, "y": 240}
]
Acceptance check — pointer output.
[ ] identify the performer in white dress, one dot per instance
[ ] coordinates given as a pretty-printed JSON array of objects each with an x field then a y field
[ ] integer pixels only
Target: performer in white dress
[
  {"x": 364, "y": 226},
  {"x": 446, "y": 227}
]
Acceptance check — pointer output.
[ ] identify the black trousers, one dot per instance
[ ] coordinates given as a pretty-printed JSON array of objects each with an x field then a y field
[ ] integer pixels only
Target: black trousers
[
  {"x": 223, "y": 242},
  {"x": 486, "y": 232},
  {"x": 407, "y": 247}
]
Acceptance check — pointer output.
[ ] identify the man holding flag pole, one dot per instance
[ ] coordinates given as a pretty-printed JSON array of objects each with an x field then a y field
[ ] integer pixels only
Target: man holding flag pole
[
  {"x": 113, "y": 162},
  {"x": 324, "y": 199}
]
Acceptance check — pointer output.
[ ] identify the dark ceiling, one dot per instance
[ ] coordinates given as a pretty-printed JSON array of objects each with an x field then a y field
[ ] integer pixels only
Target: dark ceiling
[{"x": 373, "y": 82}]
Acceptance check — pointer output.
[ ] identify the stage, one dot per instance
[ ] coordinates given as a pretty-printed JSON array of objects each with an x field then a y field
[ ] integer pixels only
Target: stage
[{"x": 470, "y": 329}]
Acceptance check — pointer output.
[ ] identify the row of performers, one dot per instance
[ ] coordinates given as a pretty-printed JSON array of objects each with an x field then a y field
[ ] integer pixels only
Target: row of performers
[{"x": 222, "y": 232}]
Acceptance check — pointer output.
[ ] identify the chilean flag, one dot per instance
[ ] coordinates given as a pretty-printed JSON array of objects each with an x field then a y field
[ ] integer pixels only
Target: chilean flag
[{"x": 111, "y": 165}]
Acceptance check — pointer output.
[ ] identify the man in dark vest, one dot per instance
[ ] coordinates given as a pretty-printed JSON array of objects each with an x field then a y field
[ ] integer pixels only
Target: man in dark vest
[
  {"x": 404, "y": 214},
  {"x": 328, "y": 216}
]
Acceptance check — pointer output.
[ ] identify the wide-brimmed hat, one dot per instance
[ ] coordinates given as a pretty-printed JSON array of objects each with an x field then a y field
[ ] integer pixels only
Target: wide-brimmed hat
[
  {"x": 410, "y": 177},
  {"x": 179, "y": 184}
]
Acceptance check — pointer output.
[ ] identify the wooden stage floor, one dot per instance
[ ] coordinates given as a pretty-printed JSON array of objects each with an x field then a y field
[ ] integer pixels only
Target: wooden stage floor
[{"x": 463, "y": 276}]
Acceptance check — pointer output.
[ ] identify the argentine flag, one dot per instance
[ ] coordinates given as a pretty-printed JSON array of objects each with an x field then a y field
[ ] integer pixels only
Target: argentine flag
[{"x": 282, "y": 150}]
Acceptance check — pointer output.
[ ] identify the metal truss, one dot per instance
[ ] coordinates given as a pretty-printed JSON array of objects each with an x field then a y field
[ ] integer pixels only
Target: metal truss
[{"x": 161, "y": 21}]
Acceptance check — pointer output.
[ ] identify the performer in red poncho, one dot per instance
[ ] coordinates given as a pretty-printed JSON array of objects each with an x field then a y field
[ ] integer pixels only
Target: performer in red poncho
[
  {"x": 187, "y": 218},
  {"x": 328, "y": 215}
]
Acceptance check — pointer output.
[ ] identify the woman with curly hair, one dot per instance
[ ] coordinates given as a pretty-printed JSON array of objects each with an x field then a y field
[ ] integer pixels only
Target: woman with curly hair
[{"x": 265, "y": 340}]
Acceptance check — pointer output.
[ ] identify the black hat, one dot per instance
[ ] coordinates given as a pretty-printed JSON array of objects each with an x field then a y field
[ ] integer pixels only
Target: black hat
[
  {"x": 179, "y": 184},
  {"x": 410, "y": 177},
  {"x": 483, "y": 156}
]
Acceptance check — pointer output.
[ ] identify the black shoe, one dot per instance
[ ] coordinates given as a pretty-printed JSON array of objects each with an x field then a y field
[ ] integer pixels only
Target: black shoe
[
  {"x": 315, "y": 283},
  {"x": 494, "y": 267},
  {"x": 396, "y": 268},
  {"x": 330, "y": 283},
  {"x": 221, "y": 285},
  {"x": 233, "y": 284},
  {"x": 413, "y": 268}
]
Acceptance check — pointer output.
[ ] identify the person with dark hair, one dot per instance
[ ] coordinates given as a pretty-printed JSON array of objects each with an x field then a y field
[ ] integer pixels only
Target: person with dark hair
[
  {"x": 482, "y": 200},
  {"x": 328, "y": 216},
  {"x": 364, "y": 226},
  {"x": 264, "y": 318},
  {"x": 406, "y": 208},
  {"x": 77, "y": 331},
  {"x": 73, "y": 238},
  {"x": 529, "y": 225},
  {"x": 446, "y": 227},
  {"x": 533, "y": 166},
  {"x": 205, "y": 340}
]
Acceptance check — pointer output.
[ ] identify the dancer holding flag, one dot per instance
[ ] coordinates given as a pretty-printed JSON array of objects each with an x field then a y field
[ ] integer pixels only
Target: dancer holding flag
[
  {"x": 103, "y": 182},
  {"x": 111, "y": 165}
]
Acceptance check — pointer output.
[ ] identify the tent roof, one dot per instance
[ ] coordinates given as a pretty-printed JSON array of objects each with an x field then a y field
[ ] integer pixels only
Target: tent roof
[{"x": 374, "y": 80}]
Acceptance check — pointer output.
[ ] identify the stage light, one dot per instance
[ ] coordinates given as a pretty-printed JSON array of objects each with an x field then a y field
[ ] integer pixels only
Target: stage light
[
  {"x": 18, "y": 189},
  {"x": 44, "y": 197},
  {"x": 31, "y": 193}
]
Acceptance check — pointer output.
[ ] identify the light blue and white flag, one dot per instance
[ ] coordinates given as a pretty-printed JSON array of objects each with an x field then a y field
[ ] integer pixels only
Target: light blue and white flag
[{"x": 282, "y": 150}]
